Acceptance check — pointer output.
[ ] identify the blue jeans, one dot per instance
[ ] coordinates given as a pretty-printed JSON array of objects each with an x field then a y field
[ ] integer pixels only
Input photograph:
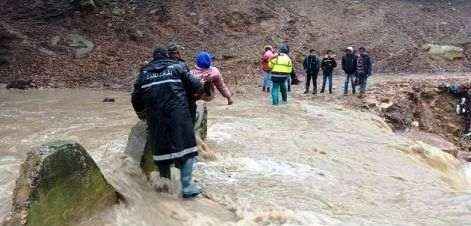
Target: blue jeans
[
  {"x": 266, "y": 79},
  {"x": 363, "y": 80},
  {"x": 279, "y": 85},
  {"x": 327, "y": 77},
  {"x": 349, "y": 79}
]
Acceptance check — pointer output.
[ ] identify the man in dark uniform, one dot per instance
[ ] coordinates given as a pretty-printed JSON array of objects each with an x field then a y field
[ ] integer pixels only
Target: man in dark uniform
[
  {"x": 174, "y": 53},
  {"x": 160, "y": 98},
  {"x": 463, "y": 107},
  {"x": 311, "y": 66},
  {"x": 328, "y": 64}
]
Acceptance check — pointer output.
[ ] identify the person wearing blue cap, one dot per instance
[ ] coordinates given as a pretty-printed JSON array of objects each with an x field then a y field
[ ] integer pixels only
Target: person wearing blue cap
[{"x": 212, "y": 77}]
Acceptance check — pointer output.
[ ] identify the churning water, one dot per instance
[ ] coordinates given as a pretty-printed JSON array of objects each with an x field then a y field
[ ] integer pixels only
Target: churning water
[{"x": 309, "y": 162}]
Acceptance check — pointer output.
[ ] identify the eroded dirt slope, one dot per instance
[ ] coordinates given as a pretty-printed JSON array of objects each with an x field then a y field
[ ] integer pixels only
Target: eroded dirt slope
[{"x": 36, "y": 35}]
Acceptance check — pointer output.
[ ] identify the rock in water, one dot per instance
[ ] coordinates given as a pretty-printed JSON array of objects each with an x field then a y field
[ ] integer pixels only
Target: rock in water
[
  {"x": 21, "y": 84},
  {"x": 59, "y": 184},
  {"x": 108, "y": 100}
]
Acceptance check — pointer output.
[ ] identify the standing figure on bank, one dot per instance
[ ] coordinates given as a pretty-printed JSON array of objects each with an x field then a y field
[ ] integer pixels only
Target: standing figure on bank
[
  {"x": 311, "y": 66},
  {"x": 328, "y": 64},
  {"x": 349, "y": 66},
  {"x": 266, "y": 71},
  {"x": 160, "y": 98},
  {"x": 364, "y": 70},
  {"x": 464, "y": 108},
  {"x": 281, "y": 68}
]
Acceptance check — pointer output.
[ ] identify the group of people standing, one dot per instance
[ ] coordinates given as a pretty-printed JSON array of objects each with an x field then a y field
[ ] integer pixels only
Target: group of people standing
[
  {"x": 165, "y": 95},
  {"x": 278, "y": 68},
  {"x": 166, "y": 91}
]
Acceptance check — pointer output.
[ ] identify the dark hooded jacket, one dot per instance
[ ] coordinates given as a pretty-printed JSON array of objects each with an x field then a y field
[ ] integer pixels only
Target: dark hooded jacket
[
  {"x": 191, "y": 98},
  {"x": 365, "y": 68},
  {"x": 312, "y": 64},
  {"x": 160, "y": 95},
  {"x": 349, "y": 63},
  {"x": 328, "y": 64}
]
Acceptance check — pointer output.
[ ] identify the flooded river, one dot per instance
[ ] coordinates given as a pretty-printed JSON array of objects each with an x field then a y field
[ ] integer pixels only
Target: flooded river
[{"x": 310, "y": 162}]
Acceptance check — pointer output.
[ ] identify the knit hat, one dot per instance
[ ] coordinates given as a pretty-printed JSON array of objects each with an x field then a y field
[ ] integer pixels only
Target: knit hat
[
  {"x": 173, "y": 48},
  {"x": 203, "y": 60},
  {"x": 284, "y": 49},
  {"x": 160, "y": 52}
]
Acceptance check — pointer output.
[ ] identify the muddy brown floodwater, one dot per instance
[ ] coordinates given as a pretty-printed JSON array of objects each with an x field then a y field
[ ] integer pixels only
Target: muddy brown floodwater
[{"x": 309, "y": 162}]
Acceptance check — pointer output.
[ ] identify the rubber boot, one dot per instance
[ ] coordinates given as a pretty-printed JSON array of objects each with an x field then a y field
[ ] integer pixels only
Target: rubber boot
[
  {"x": 189, "y": 189},
  {"x": 164, "y": 170}
]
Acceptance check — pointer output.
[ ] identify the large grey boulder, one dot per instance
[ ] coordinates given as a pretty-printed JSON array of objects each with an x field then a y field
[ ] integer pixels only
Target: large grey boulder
[
  {"x": 444, "y": 51},
  {"x": 59, "y": 184}
]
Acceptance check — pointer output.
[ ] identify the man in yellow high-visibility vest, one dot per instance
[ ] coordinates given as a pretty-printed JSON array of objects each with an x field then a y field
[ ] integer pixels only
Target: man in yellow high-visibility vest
[{"x": 281, "y": 68}]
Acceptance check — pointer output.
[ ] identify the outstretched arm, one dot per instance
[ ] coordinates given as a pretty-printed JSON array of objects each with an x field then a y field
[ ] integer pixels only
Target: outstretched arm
[{"x": 221, "y": 85}]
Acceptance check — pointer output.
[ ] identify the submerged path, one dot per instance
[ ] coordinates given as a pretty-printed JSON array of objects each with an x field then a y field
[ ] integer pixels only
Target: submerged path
[{"x": 310, "y": 162}]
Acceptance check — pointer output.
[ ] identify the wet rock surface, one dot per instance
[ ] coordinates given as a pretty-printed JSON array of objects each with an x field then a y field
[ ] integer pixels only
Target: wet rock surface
[
  {"x": 420, "y": 108},
  {"x": 109, "y": 100},
  {"x": 21, "y": 84},
  {"x": 61, "y": 181}
]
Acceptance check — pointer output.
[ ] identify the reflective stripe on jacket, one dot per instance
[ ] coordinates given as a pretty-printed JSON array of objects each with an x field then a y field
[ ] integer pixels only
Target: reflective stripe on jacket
[{"x": 281, "y": 64}]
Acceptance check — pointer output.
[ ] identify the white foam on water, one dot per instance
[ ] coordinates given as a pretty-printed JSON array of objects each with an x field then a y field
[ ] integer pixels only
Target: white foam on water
[{"x": 305, "y": 163}]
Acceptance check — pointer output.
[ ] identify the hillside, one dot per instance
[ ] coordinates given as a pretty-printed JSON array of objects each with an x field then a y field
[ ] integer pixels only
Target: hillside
[{"x": 49, "y": 41}]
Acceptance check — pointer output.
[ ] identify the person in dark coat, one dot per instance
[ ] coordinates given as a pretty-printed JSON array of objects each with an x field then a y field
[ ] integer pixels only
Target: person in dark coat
[
  {"x": 463, "y": 107},
  {"x": 349, "y": 66},
  {"x": 364, "y": 69},
  {"x": 311, "y": 66},
  {"x": 160, "y": 98},
  {"x": 467, "y": 115},
  {"x": 328, "y": 64},
  {"x": 174, "y": 53}
]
